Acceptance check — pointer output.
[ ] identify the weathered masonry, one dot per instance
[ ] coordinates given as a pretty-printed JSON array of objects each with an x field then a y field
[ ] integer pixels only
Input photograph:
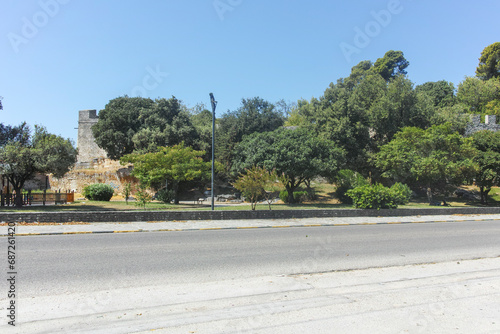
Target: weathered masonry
[
  {"x": 490, "y": 123},
  {"x": 88, "y": 151}
]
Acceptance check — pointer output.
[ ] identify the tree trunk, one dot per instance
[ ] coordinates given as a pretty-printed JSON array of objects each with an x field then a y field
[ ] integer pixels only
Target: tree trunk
[
  {"x": 176, "y": 192},
  {"x": 484, "y": 195},
  {"x": 253, "y": 204},
  {"x": 19, "y": 197},
  {"x": 290, "y": 190}
]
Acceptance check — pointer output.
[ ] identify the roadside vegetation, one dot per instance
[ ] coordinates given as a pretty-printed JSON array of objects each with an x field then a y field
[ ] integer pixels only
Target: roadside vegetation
[
  {"x": 374, "y": 139},
  {"x": 323, "y": 191}
]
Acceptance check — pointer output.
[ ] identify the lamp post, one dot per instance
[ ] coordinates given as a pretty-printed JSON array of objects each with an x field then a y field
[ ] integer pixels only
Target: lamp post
[{"x": 214, "y": 105}]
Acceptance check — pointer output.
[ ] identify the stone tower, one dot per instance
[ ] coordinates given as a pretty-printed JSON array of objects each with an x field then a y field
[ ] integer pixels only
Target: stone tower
[{"x": 88, "y": 151}]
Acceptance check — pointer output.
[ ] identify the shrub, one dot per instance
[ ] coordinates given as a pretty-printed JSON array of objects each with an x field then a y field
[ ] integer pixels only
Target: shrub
[
  {"x": 165, "y": 195},
  {"x": 379, "y": 197},
  {"x": 127, "y": 190},
  {"x": 402, "y": 192},
  {"x": 98, "y": 192},
  {"x": 298, "y": 196},
  {"x": 348, "y": 179},
  {"x": 143, "y": 197},
  {"x": 284, "y": 196}
]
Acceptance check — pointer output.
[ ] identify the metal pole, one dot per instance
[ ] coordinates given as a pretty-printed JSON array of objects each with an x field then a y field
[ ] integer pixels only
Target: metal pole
[{"x": 214, "y": 105}]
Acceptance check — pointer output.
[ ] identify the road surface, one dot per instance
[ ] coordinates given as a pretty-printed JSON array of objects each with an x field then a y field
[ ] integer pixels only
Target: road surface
[{"x": 99, "y": 277}]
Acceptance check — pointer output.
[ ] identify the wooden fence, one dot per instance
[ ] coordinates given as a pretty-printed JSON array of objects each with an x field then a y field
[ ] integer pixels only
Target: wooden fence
[{"x": 44, "y": 198}]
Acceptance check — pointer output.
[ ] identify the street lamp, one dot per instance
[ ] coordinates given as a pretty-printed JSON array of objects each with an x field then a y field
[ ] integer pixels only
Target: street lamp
[{"x": 214, "y": 105}]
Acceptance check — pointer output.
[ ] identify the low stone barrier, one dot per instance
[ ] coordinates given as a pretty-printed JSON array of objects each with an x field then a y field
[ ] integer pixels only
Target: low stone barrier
[{"x": 136, "y": 216}]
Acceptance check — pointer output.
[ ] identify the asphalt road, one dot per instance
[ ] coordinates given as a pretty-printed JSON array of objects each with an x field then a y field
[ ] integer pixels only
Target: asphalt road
[{"x": 80, "y": 263}]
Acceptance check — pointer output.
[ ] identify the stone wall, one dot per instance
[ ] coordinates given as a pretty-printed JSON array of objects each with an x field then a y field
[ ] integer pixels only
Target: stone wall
[
  {"x": 136, "y": 216},
  {"x": 88, "y": 151},
  {"x": 490, "y": 123},
  {"x": 101, "y": 171}
]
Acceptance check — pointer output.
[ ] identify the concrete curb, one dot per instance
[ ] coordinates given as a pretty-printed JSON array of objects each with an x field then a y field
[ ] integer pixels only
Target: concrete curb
[{"x": 247, "y": 227}]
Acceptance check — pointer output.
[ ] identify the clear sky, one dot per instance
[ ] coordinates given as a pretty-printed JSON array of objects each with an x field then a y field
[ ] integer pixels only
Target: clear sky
[{"x": 61, "y": 56}]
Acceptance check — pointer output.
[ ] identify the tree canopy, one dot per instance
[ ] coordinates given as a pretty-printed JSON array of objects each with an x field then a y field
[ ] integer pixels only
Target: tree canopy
[
  {"x": 255, "y": 115},
  {"x": 173, "y": 164},
  {"x": 441, "y": 92},
  {"x": 142, "y": 125},
  {"x": 477, "y": 94},
  {"x": 434, "y": 158},
  {"x": 295, "y": 154},
  {"x": 487, "y": 158},
  {"x": 27, "y": 154},
  {"x": 255, "y": 183},
  {"x": 489, "y": 62},
  {"x": 392, "y": 64}
]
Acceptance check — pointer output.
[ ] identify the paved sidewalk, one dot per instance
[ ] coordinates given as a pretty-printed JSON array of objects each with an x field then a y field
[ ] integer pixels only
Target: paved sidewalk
[{"x": 129, "y": 227}]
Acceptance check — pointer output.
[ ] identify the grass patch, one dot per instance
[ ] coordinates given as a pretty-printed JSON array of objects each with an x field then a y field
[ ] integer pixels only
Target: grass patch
[{"x": 324, "y": 192}]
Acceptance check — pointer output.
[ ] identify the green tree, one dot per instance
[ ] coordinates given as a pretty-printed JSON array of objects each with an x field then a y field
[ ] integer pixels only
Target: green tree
[
  {"x": 476, "y": 94},
  {"x": 252, "y": 184},
  {"x": 175, "y": 164},
  {"x": 167, "y": 123},
  {"x": 19, "y": 134},
  {"x": 366, "y": 109},
  {"x": 342, "y": 120},
  {"x": 441, "y": 92},
  {"x": 201, "y": 118},
  {"x": 135, "y": 124},
  {"x": 457, "y": 116},
  {"x": 295, "y": 154},
  {"x": 489, "y": 62},
  {"x": 391, "y": 65},
  {"x": 32, "y": 153},
  {"x": 436, "y": 158},
  {"x": 487, "y": 158},
  {"x": 399, "y": 107},
  {"x": 118, "y": 122},
  {"x": 493, "y": 107},
  {"x": 254, "y": 116}
]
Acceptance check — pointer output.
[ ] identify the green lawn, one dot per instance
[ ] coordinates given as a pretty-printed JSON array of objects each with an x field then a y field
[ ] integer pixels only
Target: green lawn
[{"x": 324, "y": 201}]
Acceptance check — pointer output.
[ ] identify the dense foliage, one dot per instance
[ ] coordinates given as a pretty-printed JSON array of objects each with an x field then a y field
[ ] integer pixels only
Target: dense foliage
[
  {"x": 171, "y": 165},
  {"x": 24, "y": 153},
  {"x": 345, "y": 180},
  {"x": 98, "y": 192},
  {"x": 140, "y": 125},
  {"x": 372, "y": 126},
  {"x": 435, "y": 159},
  {"x": 379, "y": 197},
  {"x": 487, "y": 158},
  {"x": 255, "y": 182},
  {"x": 293, "y": 153}
]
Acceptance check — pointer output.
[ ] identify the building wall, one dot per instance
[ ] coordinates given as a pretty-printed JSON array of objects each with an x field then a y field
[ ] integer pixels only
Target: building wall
[{"x": 88, "y": 151}]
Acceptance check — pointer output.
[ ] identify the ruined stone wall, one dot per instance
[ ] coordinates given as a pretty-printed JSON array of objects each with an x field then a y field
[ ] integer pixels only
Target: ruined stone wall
[
  {"x": 104, "y": 171},
  {"x": 490, "y": 123},
  {"x": 88, "y": 150},
  {"x": 92, "y": 165}
]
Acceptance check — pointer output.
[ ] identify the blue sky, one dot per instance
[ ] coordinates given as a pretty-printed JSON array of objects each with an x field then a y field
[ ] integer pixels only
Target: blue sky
[{"x": 61, "y": 56}]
